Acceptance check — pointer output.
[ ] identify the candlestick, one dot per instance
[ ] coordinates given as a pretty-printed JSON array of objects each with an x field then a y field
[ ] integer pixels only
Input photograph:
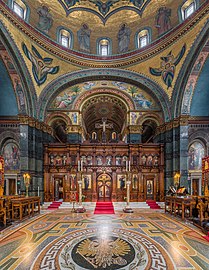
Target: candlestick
[
  {"x": 126, "y": 165},
  {"x": 38, "y": 191},
  {"x": 79, "y": 166},
  {"x": 129, "y": 165}
]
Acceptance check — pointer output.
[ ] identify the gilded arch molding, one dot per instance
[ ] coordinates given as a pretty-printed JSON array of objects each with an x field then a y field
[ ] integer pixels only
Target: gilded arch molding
[
  {"x": 68, "y": 80},
  {"x": 186, "y": 70},
  {"x": 22, "y": 73}
]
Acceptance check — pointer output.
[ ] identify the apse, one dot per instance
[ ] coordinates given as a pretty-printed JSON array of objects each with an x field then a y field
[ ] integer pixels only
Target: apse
[{"x": 107, "y": 111}]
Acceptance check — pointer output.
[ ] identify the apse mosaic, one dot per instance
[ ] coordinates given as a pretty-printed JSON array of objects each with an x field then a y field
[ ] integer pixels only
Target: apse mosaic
[
  {"x": 195, "y": 155},
  {"x": 64, "y": 240},
  {"x": 142, "y": 100},
  {"x": 104, "y": 9}
]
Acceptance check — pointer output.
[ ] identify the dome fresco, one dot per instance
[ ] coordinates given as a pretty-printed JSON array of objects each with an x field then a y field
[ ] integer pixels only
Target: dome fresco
[{"x": 86, "y": 22}]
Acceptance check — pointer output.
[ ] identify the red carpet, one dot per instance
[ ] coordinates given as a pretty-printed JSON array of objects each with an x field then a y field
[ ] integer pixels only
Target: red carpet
[
  {"x": 104, "y": 208},
  {"x": 206, "y": 237},
  {"x": 54, "y": 205},
  {"x": 152, "y": 204}
]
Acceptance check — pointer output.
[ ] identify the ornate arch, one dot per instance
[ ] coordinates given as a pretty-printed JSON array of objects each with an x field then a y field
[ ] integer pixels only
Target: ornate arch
[
  {"x": 187, "y": 67},
  {"x": 22, "y": 74},
  {"x": 67, "y": 80},
  {"x": 54, "y": 115},
  {"x": 123, "y": 97},
  {"x": 150, "y": 116}
]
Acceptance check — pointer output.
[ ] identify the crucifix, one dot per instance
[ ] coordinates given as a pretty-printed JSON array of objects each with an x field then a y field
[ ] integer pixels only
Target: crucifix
[{"x": 104, "y": 125}]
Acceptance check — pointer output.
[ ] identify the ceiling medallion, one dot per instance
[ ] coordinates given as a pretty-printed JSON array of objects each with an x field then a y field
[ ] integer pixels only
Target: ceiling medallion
[
  {"x": 103, "y": 9},
  {"x": 104, "y": 111}
]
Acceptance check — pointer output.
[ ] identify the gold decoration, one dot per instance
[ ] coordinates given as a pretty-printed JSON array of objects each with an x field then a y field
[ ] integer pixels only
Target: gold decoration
[{"x": 104, "y": 252}]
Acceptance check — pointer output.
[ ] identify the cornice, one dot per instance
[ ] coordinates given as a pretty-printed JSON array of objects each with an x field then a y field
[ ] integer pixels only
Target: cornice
[
  {"x": 136, "y": 129},
  {"x": 182, "y": 120},
  {"x": 32, "y": 122},
  {"x": 115, "y": 61}
]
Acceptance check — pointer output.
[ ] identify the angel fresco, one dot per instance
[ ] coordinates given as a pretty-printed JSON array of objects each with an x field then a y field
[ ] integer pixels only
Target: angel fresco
[
  {"x": 167, "y": 67},
  {"x": 40, "y": 66}
]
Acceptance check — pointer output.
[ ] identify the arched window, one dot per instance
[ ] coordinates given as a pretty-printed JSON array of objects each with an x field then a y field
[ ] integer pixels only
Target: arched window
[
  {"x": 65, "y": 38},
  {"x": 104, "y": 46},
  {"x": 188, "y": 8},
  {"x": 20, "y": 8},
  {"x": 143, "y": 38}
]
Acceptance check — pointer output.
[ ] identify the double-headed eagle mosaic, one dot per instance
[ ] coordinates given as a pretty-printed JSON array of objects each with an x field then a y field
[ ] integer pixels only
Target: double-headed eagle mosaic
[{"x": 104, "y": 252}]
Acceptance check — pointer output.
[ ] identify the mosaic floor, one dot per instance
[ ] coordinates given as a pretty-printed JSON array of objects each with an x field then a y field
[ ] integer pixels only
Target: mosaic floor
[{"x": 146, "y": 239}]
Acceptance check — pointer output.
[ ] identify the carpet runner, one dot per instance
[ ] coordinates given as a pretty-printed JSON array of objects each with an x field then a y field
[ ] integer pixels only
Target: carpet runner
[
  {"x": 103, "y": 208},
  {"x": 152, "y": 204},
  {"x": 54, "y": 205}
]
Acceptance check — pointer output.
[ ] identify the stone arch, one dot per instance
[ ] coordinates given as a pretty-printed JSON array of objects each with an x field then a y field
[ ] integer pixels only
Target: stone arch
[
  {"x": 67, "y": 80},
  {"x": 23, "y": 74},
  {"x": 8, "y": 135},
  {"x": 183, "y": 76}
]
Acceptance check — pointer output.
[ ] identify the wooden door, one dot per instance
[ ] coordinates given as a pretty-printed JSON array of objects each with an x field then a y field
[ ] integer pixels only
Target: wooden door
[
  {"x": 58, "y": 189},
  {"x": 195, "y": 187},
  {"x": 104, "y": 187},
  {"x": 12, "y": 186}
]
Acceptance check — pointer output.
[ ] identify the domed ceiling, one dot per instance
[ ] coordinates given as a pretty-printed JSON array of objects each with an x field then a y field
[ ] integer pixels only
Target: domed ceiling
[{"x": 104, "y": 19}]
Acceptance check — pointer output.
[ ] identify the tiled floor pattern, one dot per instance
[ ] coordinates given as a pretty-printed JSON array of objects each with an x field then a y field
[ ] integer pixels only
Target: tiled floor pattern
[{"x": 146, "y": 239}]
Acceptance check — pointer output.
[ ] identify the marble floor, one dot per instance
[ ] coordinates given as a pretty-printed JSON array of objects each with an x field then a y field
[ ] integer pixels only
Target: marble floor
[{"x": 145, "y": 239}]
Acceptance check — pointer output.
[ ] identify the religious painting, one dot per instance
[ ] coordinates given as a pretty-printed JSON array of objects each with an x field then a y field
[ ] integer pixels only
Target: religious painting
[
  {"x": 133, "y": 118},
  {"x": 64, "y": 100},
  {"x": 134, "y": 181},
  {"x": 86, "y": 181},
  {"x": 74, "y": 117},
  {"x": 73, "y": 182},
  {"x": 195, "y": 155},
  {"x": 149, "y": 160},
  {"x": 149, "y": 187},
  {"x": 118, "y": 160},
  {"x": 11, "y": 156},
  {"x": 89, "y": 160},
  {"x": 99, "y": 160},
  {"x": 84, "y": 160},
  {"x": 121, "y": 181},
  {"x": 108, "y": 160},
  {"x": 144, "y": 160},
  {"x": 124, "y": 161}
]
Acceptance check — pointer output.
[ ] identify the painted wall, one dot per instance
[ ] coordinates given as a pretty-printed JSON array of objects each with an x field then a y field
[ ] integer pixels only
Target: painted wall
[
  {"x": 200, "y": 100},
  {"x": 8, "y": 103}
]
